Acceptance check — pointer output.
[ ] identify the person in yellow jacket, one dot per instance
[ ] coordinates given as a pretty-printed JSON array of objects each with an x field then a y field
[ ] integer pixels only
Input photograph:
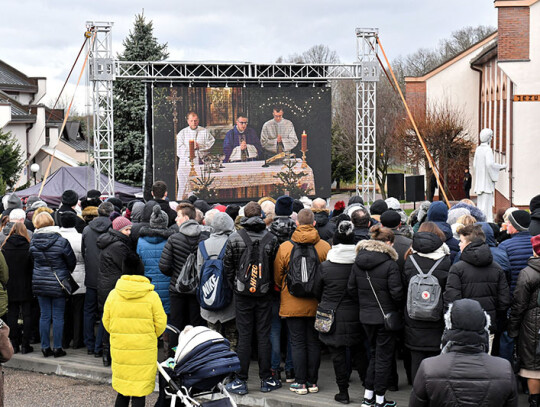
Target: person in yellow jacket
[
  {"x": 300, "y": 312},
  {"x": 134, "y": 317}
]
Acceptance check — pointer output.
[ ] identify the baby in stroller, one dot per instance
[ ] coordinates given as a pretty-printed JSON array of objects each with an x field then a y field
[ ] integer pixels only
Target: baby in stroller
[{"x": 202, "y": 361}]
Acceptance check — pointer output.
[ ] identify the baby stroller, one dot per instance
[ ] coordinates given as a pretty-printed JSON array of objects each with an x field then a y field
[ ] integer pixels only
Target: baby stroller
[{"x": 203, "y": 360}]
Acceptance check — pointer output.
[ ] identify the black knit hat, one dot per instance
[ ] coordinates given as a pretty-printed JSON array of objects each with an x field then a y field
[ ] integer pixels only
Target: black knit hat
[
  {"x": 297, "y": 206},
  {"x": 520, "y": 220},
  {"x": 378, "y": 207},
  {"x": 391, "y": 219},
  {"x": 117, "y": 203},
  {"x": 93, "y": 194},
  {"x": 233, "y": 210},
  {"x": 202, "y": 205},
  {"x": 356, "y": 199},
  {"x": 68, "y": 219},
  {"x": 344, "y": 233},
  {"x": 284, "y": 206},
  {"x": 535, "y": 203},
  {"x": 70, "y": 197}
]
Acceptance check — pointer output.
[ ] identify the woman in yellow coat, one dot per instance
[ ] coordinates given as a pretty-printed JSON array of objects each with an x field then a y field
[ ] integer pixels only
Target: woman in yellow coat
[{"x": 134, "y": 317}]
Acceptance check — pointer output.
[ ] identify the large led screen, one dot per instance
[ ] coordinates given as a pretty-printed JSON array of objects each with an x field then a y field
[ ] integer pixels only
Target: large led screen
[{"x": 241, "y": 143}]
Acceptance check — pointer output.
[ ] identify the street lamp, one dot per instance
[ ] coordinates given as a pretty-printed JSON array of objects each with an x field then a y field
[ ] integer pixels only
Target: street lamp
[{"x": 34, "y": 168}]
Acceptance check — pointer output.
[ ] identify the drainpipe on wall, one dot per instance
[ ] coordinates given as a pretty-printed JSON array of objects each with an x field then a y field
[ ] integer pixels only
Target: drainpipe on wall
[
  {"x": 479, "y": 99},
  {"x": 511, "y": 152}
]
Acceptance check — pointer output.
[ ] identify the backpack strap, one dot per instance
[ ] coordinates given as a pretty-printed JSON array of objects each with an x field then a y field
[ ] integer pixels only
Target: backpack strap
[
  {"x": 431, "y": 270},
  {"x": 204, "y": 253},
  {"x": 222, "y": 252},
  {"x": 245, "y": 237}
]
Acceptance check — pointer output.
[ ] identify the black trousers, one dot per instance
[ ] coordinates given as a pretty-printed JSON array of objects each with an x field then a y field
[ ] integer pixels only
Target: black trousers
[
  {"x": 254, "y": 314},
  {"x": 14, "y": 307},
  {"x": 382, "y": 346},
  {"x": 346, "y": 359},
  {"x": 185, "y": 310},
  {"x": 306, "y": 349},
  {"x": 123, "y": 401},
  {"x": 417, "y": 357},
  {"x": 74, "y": 321}
]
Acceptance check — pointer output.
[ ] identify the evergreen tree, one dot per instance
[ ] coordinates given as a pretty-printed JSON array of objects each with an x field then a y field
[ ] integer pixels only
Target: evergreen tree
[
  {"x": 11, "y": 163},
  {"x": 129, "y": 103}
]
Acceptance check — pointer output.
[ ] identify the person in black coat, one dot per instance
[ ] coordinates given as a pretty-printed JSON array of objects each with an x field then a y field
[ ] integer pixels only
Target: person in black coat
[
  {"x": 159, "y": 193},
  {"x": 331, "y": 291},
  {"x": 70, "y": 199},
  {"x": 16, "y": 251},
  {"x": 117, "y": 257},
  {"x": 376, "y": 259},
  {"x": 145, "y": 221},
  {"x": 478, "y": 277},
  {"x": 423, "y": 338},
  {"x": 54, "y": 260},
  {"x": 323, "y": 225},
  {"x": 464, "y": 374},
  {"x": 524, "y": 323},
  {"x": 392, "y": 220},
  {"x": 361, "y": 220}
]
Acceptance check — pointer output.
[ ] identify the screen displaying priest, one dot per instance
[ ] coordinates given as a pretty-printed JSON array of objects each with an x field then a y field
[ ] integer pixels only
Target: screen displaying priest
[
  {"x": 241, "y": 142},
  {"x": 278, "y": 134}
]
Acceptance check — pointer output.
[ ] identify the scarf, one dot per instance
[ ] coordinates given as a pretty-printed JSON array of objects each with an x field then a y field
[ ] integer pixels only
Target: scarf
[{"x": 342, "y": 254}]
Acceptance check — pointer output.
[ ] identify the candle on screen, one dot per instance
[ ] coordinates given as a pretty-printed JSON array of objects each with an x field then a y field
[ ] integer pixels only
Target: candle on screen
[
  {"x": 191, "y": 149},
  {"x": 304, "y": 141}
]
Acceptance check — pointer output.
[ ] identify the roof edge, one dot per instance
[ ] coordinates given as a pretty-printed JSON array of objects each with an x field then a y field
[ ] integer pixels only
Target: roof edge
[{"x": 514, "y": 3}]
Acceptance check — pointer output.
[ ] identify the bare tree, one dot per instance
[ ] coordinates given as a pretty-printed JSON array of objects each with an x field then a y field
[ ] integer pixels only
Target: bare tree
[{"x": 317, "y": 54}]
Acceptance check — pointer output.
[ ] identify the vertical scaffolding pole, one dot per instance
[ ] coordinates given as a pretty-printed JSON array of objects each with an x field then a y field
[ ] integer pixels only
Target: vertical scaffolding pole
[
  {"x": 366, "y": 113},
  {"x": 101, "y": 77}
]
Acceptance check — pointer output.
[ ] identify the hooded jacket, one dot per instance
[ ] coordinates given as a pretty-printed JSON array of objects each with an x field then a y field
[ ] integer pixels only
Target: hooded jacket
[
  {"x": 177, "y": 249},
  {"x": 134, "y": 317},
  {"x": 75, "y": 240},
  {"x": 478, "y": 277},
  {"x": 464, "y": 375},
  {"x": 499, "y": 255},
  {"x": 361, "y": 234},
  {"x": 282, "y": 227},
  {"x": 330, "y": 288},
  {"x": 223, "y": 226},
  {"x": 292, "y": 306},
  {"x": 144, "y": 221},
  {"x": 149, "y": 248},
  {"x": 323, "y": 225},
  {"x": 20, "y": 263},
  {"x": 90, "y": 250},
  {"x": 50, "y": 250},
  {"x": 379, "y": 260},
  {"x": 425, "y": 336},
  {"x": 438, "y": 214},
  {"x": 401, "y": 245},
  {"x": 171, "y": 213},
  {"x": 256, "y": 229},
  {"x": 524, "y": 320},
  {"x": 116, "y": 258},
  {"x": 518, "y": 249}
]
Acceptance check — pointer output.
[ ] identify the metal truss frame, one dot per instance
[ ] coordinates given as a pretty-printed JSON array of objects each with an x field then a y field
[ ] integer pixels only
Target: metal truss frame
[{"x": 104, "y": 69}]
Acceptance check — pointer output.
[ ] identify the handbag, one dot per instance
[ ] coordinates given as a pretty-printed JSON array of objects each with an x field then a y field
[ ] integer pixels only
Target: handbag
[
  {"x": 393, "y": 320},
  {"x": 68, "y": 284},
  {"x": 325, "y": 318}
]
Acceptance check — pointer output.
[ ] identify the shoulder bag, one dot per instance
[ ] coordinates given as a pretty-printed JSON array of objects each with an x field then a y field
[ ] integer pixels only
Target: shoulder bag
[
  {"x": 68, "y": 284},
  {"x": 325, "y": 317},
  {"x": 393, "y": 320}
]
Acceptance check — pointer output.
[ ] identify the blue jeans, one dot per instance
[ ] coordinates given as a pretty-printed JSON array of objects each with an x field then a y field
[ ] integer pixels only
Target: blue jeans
[
  {"x": 91, "y": 315},
  {"x": 275, "y": 339},
  {"x": 52, "y": 309}
]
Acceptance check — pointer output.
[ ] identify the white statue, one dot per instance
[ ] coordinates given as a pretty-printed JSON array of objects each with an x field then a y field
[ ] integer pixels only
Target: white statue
[{"x": 486, "y": 172}]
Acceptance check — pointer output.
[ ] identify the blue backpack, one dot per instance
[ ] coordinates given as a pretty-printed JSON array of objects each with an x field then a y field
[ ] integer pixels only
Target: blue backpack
[{"x": 213, "y": 291}]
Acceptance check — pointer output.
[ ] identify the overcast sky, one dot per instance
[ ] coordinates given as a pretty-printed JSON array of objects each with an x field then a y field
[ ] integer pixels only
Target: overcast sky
[{"x": 42, "y": 37}]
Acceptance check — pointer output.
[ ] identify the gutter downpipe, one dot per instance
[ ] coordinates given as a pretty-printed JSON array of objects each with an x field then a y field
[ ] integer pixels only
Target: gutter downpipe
[{"x": 511, "y": 152}]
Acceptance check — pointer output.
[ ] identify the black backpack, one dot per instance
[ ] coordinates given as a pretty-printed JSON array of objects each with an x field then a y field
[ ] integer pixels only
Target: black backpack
[
  {"x": 254, "y": 274},
  {"x": 303, "y": 267},
  {"x": 188, "y": 278}
]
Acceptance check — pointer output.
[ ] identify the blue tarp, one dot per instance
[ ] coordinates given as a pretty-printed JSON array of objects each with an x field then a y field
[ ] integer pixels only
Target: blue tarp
[{"x": 79, "y": 179}]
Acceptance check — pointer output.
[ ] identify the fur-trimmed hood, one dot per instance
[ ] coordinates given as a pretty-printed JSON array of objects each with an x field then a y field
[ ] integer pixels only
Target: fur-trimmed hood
[
  {"x": 147, "y": 231},
  {"x": 371, "y": 253}
]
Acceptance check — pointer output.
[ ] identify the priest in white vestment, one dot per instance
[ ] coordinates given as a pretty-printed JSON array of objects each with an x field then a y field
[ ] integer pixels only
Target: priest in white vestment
[{"x": 278, "y": 134}]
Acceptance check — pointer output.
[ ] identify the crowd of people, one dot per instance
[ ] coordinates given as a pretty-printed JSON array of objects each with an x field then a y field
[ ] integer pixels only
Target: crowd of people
[{"x": 450, "y": 294}]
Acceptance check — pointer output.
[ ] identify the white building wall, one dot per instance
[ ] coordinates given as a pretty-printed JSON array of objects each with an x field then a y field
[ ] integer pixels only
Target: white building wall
[{"x": 526, "y": 120}]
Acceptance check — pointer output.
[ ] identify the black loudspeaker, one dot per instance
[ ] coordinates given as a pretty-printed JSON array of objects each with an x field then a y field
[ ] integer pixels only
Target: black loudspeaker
[
  {"x": 415, "y": 188},
  {"x": 395, "y": 184}
]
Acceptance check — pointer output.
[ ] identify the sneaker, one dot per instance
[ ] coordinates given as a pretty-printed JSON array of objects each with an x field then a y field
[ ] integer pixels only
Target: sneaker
[
  {"x": 276, "y": 374},
  {"x": 270, "y": 384},
  {"x": 312, "y": 387},
  {"x": 289, "y": 376},
  {"x": 299, "y": 388},
  {"x": 237, "y": 386},
  {"x": 387, "y": 403},
  {"x": 368, "y": 402}
]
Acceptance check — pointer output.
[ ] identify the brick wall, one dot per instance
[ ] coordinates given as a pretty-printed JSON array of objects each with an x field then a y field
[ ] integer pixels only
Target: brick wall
[
  {"x": 513, "y": 31},
  {"x": 415, "y": 94}
]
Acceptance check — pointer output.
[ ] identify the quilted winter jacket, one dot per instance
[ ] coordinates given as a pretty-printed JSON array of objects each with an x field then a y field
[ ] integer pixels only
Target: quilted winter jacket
[
  {"x": 379, "y": 260},
  {"x": 90, "y": 251},
  {"x": 134, "y": 317},
  {"x": 478, "y": 277},
  {"x": 292, "y": 306},
  {"x": 518, "y": 249},
  {"x": 150, "y": 246},
  {"x": 256, "y": 229},
  {"x": 282, "y": 227},
  {"x": 116, "y": 258},
  {"x": 525, "y": 315},
  {"x": 48, "y": 242},
  {"x": 330, "y": 287},
  {"x": 20, "y": 263},
  {"x": 464, "y": 377},
  {"x": 323, "y": 225}
]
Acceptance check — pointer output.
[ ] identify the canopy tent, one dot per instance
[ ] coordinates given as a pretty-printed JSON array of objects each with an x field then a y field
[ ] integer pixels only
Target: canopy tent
[{"x": 79, "y": 179}]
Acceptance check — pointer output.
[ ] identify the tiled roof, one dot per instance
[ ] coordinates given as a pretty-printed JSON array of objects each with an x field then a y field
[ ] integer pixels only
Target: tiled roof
[
  {"x": 73, "y": 138},
  {"x": 19, "y": 113},
  {"x": 10, "y": 78}
]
